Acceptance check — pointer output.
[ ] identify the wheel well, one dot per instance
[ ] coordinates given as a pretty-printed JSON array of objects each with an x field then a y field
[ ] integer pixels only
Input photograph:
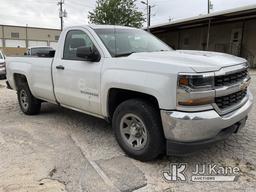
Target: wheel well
[
  {"x": 19, "y": 80},
  {"x": 117, "y": 96}
]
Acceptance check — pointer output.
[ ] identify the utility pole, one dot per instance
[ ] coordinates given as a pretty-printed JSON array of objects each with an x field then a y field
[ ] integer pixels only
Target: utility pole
[
  {"x": 149, "y": 16},
  {"x": 3, "y": 39},
  {"x": 27, "y": 36},
  {"x": 149, "y": 7},
  {"x": 62, "y": 13},
  {"x": 210, "y": 6}
]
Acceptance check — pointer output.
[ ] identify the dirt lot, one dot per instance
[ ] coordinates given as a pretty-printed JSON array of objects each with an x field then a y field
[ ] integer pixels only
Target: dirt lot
[{"x": 62, "y": 150}]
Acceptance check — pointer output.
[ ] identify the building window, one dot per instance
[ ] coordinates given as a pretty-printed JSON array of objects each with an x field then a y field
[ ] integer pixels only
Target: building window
[
  {"x": 15, "y": 35},
  {"x": 57, "y": 37}
]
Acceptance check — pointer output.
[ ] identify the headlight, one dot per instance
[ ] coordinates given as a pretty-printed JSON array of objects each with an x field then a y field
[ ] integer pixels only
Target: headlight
[
  {"x": 195, "y": 89},
  {"x": 203, "y": 81}
]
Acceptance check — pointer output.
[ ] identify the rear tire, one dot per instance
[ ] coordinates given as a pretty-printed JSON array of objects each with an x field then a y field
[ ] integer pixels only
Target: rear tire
[
  {"x": 138, "y": 129},
  {"x": 29, "y": 105}
]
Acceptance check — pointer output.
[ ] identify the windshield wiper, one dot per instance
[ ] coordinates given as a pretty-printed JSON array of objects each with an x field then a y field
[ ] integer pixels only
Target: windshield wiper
[{"x": 124, "y": 54}]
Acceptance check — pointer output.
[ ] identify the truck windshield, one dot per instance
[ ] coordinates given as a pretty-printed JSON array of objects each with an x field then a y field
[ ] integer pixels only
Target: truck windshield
[{"x": 124, "y": 42}]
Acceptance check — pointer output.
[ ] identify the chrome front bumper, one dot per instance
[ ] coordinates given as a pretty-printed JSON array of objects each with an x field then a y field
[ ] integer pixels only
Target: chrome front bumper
[
  {"x": 197, "y": 126},
  {"x": 2, "y": 71}
]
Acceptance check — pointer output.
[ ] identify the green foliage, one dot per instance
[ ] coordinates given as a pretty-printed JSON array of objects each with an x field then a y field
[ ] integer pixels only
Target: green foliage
[{"x": 117, "y": 12}]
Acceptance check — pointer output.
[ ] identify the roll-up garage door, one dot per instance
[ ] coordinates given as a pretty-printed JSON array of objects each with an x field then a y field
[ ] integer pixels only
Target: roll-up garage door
[
  {"x": 15, "y": 43},
  {"x": 37, "y": 43},
  {"x": 53, "y": 45}
]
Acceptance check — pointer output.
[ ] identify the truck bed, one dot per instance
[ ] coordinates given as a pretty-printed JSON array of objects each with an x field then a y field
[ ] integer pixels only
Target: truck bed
[{"x": 38, "y": 72}]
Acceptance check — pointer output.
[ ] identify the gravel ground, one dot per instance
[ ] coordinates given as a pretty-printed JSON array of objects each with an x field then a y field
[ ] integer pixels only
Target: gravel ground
[{"x": 63, "y": 150}]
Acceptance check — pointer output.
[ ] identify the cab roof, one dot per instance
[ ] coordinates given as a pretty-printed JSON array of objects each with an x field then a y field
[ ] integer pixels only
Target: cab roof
[
  {"x": 109, "y": 27},
  {"x": 103, "y": 26}
]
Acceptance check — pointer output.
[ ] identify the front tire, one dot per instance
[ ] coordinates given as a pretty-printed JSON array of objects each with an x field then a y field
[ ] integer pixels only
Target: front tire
[
  {"x": 138, "y": 129},
  {"x": 29, "y": 105}
]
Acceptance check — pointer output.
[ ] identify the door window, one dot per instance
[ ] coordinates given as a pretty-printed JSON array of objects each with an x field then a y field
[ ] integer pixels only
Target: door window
[{"x": 74, "y": 40}]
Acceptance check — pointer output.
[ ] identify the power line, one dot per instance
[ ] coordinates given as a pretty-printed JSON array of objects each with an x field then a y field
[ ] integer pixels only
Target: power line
[
  {"x": 80, "y": 4},
  {"x": 37, "y": 1}
]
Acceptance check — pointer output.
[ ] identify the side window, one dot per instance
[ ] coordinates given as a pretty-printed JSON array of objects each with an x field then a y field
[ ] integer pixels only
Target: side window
[{"x": 74, "y": 40}]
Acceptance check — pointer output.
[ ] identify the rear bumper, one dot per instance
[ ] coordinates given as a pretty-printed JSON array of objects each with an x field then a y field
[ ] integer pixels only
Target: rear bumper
[{"x": 187, "y": 127}]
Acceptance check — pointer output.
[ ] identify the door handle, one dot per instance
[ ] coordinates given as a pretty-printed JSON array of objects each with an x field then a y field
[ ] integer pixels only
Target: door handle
[{"x": 61, "y": 67}]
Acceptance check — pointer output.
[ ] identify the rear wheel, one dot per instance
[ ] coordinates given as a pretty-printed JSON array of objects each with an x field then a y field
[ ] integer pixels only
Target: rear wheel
[
  {"x": 138, "y": 129},
  {"x": 28, "y": 103}
]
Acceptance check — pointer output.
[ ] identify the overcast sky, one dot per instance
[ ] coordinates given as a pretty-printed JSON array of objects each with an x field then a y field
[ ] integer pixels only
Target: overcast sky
[{"x": 44, "y": 13}]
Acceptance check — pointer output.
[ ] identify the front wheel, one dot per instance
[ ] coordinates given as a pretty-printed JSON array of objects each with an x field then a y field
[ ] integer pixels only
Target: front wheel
[
  {"x": 28, "y": 103},
  {"x": 138, "y": 129}
]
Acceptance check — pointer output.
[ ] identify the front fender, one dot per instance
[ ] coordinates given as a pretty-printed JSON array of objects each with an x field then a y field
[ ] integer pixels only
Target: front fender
[{"x": 161, "y": 86}]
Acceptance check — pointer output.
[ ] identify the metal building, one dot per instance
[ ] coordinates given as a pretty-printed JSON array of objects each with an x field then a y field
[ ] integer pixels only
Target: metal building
[
  {"x": 232, "y": 31},
  {"x": 14, "y": 40}
]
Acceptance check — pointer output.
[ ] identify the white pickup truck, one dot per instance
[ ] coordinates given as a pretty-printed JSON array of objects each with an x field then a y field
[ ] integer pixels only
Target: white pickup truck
[{"x": 158, "y": 99}]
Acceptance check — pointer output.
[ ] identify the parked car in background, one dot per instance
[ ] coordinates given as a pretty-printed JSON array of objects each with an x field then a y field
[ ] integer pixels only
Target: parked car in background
[
  {"x": 2, "y": 66},
  {"x": 39, "y": 51},
  {"x": 158, "y": 99}
]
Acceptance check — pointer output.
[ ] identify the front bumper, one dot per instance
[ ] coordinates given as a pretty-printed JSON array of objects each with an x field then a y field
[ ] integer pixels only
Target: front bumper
[
  {"x": 188, "y": 127},
  {"x": 185, "y": 148},
  {"x": 2, "y": 71}
]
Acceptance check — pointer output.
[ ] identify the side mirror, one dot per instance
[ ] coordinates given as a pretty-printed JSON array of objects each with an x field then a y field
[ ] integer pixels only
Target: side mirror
[{"x": 88, "y": 54}]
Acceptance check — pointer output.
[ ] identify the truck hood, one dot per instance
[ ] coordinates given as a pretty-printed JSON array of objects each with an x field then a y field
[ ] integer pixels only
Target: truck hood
[{"x": 199, "y": 61}]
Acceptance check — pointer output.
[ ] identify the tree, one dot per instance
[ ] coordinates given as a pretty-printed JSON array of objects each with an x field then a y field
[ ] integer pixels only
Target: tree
[{"x": 117, "y": 12}]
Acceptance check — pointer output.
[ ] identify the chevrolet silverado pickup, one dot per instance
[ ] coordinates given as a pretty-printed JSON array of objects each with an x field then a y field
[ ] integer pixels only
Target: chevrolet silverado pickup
[{"x": 159, "y": 100}]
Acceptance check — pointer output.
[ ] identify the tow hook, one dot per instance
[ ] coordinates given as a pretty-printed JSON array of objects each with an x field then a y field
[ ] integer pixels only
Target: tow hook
[{"x": 240, "y": 124}]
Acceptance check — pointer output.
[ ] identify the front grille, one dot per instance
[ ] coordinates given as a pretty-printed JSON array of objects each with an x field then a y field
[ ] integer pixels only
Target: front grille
[
  {"x": 230, "y": 100},
  {"x": 227, "y": 80}
]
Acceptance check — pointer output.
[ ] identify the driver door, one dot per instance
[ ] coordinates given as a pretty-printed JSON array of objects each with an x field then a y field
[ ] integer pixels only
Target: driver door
[{"x": 76, "y": 81}]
